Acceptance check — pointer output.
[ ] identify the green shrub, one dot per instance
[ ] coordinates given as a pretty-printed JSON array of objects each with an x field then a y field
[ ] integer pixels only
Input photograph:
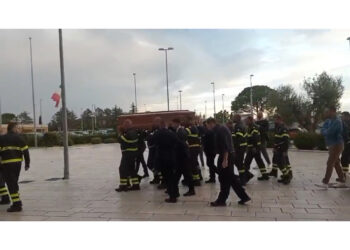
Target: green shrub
[
  {"x": 96, "y": 140},
  {"x": 306, "y": 141},
  {"x": 85, "y": 139},
  {"x": 320, "y": 142},
  {"x": 50, "y": 139},
  {"x": 110, "y": 140},
  {"x": 29, "y": 139}
]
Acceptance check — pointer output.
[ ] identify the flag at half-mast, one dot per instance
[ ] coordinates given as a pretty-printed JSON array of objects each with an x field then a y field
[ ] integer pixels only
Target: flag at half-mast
[{"x": 56, "y": 97}]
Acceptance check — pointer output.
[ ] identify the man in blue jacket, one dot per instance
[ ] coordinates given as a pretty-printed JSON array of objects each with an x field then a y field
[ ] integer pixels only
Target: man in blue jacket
[{"x": 332, "y": 130}]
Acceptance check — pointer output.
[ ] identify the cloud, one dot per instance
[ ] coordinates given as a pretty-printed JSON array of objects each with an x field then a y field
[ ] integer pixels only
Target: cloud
[{"x": 99, "y": 65}]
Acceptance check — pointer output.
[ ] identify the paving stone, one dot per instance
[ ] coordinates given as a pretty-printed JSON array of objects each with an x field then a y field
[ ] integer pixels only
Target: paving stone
[{"x": 89, "y": 195}]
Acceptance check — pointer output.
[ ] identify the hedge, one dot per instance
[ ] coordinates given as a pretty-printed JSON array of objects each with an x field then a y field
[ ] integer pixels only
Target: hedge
[
  {"x": 309, "y": 141},
  {"x": 110, "y": 140},
  {"x": 96, "y": 140}
]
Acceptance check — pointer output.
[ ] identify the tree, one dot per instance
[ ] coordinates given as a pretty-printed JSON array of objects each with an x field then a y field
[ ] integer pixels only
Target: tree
[
  {"x": 261, "y": 95},
  {"x": 56, "y": 121},
  {"x": 25, "y": 118},
  {"x": 291, "y": 106},
  {"x": 8, "y": 117},
  {"x": 222, "y": 116},
  {"x": 323, "y": 91}
]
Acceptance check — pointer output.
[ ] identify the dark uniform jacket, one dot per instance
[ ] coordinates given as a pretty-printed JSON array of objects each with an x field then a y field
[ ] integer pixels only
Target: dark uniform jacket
[
  {"x": 264, "y": 129},
  {"x": 253, "y": 136},
  {"x": 281, "y": 138},
  {"x": 129, "y": 141},
  {"x": 13, "y": 148},
  {"x": 208, "y": 142},
  {"x": 239, "y": 136},
  {"x": 346, "y": 132},
  {"x": 193, "y": 138},
  {"x": 141, "y": 140},
  {"x": 223, "y": 139}
]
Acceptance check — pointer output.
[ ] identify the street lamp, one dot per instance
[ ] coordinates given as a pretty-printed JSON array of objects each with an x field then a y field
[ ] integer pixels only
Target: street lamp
[
  {"x": 166, "y": 71},
  {"x": 134, "y": 74},
  {"x": 214, "y": 97},
  {"x": 348, "y": 40},
  {"x": 33, "y": 96},
  {"x": 180, "y": 91},
  {"x": 251, "y": 94},
  {"x": 205, "y": 108}
]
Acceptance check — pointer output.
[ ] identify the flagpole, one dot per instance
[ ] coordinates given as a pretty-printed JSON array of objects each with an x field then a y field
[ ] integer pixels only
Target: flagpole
[
  {"x": 64, "y": 110},
  {"x": 33, "y": 95}
]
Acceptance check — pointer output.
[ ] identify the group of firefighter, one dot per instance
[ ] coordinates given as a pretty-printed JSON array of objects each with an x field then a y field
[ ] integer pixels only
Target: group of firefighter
[{"x": 174, "y": 150}]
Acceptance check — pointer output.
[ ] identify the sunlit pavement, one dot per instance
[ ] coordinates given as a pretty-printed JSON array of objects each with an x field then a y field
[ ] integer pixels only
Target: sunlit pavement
[{"x": 89, "y": 193}]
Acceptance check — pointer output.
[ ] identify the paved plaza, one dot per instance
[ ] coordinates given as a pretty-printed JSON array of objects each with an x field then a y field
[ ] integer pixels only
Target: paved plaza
[{"x": 89, "y": 193}]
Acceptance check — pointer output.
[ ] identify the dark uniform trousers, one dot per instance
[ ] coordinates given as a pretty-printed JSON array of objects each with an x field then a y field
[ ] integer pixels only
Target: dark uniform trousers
[
  {"x": 239, "y": 159},
  {"x": 127, "y": 168},
  {"x": 140, "y": 159},
  {"x": 280, "y": 160},
  {"x": 211, "y": 164},
  {"x": 196, "y": 172},
  {"x": 3, "y": 189},
  {"x": 170, "y": 172},
  {"x": 227, "y": 180},
  {"x": 10, "y": 173},
  {"x": 257, "y": 157},
  {"x": 345, "y": 157}
]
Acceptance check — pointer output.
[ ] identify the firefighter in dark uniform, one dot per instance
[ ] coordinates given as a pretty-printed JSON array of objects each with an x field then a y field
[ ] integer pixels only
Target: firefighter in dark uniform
[
  {"x": 140, "y": 160},
  {"x": 280, "y": 158},
  {"x": 239, "y": 137},
  {"x": 152, "y": 155},
  {"x": 128, "y": 140},
  {"x": 201, "y": 131},
  {"x": 167, "y": 143},
  {"x": 183, "y": 158},
  {"x": 12, "y": 150},
  {"x": 194, "y": 145},
  {"x": 345, "y": 156},
  {"x": 253, "y": 152},
  {"x": 227, "y": 178},
  {"x": 208, "y": 141}
]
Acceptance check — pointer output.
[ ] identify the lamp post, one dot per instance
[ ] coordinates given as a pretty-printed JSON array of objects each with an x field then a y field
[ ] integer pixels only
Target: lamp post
[
  {"x": 214, "y": 97},
  {"x": 33, "y": 95},
  {"x": 134, "y": 74},
  {"x": 180, "y": 91},
  {"x": 64, "y": 109},
  {"x": 251, "y": 95},
  {"x": 205, "y": 108},
  {"x": 348, "y": 40},
  {"x": 166, "y": 71}
]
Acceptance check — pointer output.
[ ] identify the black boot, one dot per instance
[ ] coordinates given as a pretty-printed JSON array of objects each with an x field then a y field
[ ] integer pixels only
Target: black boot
[
  {"x": 244, "y": 201},
  {"x": 162, "y": 186},
  {"x": 197, "y": 183},
  {"x": 210, "y": 181},
  {"x": 5, "y": 200},
  {"x": 155, "y": 180},
  {"x": 135, "y": 187},
  {"x": 264, "y": 177},
  {"x": 190, "y": 193},
  {"x": 248, "y": 176},
  {"x": 273, "y": 173},
  {"x": 218, "y": 204},
  {"x": 184, "y": 182},
  {"x": 14, "y": 208},
  {"x": 122, "y": 188},
  {"x": 170, "y": 200}
]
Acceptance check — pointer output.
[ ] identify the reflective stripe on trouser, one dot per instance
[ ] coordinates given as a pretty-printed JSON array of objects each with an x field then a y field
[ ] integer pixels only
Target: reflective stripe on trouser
[
  {"x": 263, "y": 170},
  {"x": 15, "y": 198},
  {"x": 196, "y": 177},
  {"x": 135, "y": 181},
  {"x": 345, "y": 169},
  {"x": 3, "y": 191},
  {"x": 274, "y": 167},
  {"x": 123, "y": 181}
]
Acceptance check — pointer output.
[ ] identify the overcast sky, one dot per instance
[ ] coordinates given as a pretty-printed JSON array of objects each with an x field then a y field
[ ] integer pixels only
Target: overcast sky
[{"x": 99, "y": 65}]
